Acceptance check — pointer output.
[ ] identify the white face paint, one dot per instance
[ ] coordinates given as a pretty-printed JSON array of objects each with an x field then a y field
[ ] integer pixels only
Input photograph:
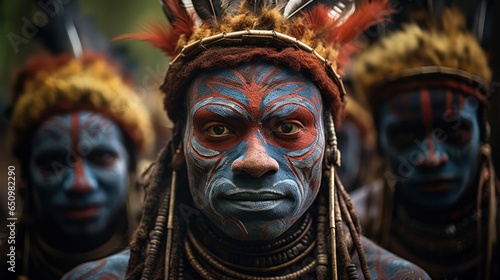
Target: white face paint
[{"x": 254, "y": 148}]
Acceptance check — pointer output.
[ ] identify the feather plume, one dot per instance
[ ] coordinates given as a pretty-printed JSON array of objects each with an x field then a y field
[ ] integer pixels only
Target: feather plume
[
  {"x": 365, "y": 16},
  {"x": 162, "y": 36},
  {"x": 230, "y": 6},
  {"x": 368, "y": 14},
  {"x": 208, "y": 9},
  {"x": 295, "y": 7},
  {"x": 155, "y": 33},
  {"x": 342, "y": 30},
  {"x": 280, "y": 4},
  {"x": 174, "y": 10},
  {"x": 319, "y": 19},
  {"x": 256, "y": 6}
]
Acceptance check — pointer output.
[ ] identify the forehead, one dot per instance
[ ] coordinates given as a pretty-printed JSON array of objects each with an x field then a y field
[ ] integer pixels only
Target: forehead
[
  {"x": 254, "y": 83},
  {"x": 76, "y": 123},
  {"x": 428, "y": 103}
]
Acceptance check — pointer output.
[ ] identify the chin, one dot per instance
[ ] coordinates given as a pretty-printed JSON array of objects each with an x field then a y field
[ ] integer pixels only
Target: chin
[
  {"x": 437, "y": 202},
  {"x": 254, "y": 230}
]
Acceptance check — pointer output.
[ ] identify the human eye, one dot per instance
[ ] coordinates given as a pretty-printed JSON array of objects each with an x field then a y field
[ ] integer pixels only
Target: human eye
[
  {"x": 218, "y": 130},
  {"x": 403, "y": 136},
  {"x": 45, "y": 162},
  {"x": 287, "y": 129},
  {"x": 460, "y": 135},
  {"x": 103, "y": 157}
]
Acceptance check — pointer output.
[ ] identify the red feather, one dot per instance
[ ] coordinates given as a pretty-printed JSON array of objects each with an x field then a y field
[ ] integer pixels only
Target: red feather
[
  {"x": 176, "y": 7},
  {"x": 163, "y": 36},
  {"x": 319, "y": 18},
  {"x": 156, "y": 34},
  {"x": 368, "y": 14},
  {"x": 345, "y": 54}
]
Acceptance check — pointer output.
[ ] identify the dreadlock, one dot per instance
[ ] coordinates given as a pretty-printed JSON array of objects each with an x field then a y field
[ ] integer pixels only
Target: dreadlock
[{"x": 156, "y": 193}]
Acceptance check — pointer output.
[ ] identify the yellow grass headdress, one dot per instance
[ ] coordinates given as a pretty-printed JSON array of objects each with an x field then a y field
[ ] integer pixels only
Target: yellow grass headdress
[
  {"x": 443, "y": 51},
  {"x": 49, "y": 85}
]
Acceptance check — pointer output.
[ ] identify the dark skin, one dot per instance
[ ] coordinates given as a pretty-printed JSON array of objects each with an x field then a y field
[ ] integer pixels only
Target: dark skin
[{"x": 431, "y": 137}]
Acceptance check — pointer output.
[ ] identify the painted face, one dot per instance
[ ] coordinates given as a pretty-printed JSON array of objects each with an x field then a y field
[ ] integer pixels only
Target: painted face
[
  {"x": 351, "y": 146},
  {"x": 79, "y": 171},
  {"x": 254, "y": 147},
  {"x": 431, "y": 137}
]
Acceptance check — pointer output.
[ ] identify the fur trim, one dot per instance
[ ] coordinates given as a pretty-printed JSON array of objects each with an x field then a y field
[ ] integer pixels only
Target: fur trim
[
  {"x": 66, "y": 85},
  {"x": 180, "y": 74},
  {"x": 447, "y": 44}
]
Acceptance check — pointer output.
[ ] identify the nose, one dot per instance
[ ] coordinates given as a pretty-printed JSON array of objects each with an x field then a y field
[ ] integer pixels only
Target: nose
[
  {"x": 434, "y": 155},
  {"x": 256, "y": 162},
  {"x": 79, "y": 181}
]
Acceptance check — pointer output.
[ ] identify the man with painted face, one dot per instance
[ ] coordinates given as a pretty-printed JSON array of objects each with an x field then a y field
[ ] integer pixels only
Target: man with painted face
[
  {"x": 437, "y": 206},
  {"x": 246, "y": 189},
  {"x": 76, "y": 128}
]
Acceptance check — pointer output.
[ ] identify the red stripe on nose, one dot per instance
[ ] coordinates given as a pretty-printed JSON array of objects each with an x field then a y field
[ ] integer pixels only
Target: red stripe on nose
[
  {"x": 256, "y": 161},
  {"x": 80, "y": 183}
]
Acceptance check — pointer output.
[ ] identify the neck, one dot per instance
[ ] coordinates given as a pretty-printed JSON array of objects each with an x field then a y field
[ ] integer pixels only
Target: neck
[{"x": 265, "y": 258}]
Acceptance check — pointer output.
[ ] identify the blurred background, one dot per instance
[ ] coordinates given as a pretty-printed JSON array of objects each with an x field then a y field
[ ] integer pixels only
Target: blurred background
[{"x": 24, "y": 24}]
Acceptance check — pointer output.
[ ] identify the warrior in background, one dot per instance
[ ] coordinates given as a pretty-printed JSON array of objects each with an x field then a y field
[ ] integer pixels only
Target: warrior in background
[
  {"x": 437, "y": 204},
  {"x": 76, "y": 128}
]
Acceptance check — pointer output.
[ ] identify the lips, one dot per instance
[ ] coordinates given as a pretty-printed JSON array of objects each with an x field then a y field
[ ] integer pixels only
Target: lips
[
  {"x": 254, "y": 201},
  {"x": 439, "y": 184},
  {"x": 254, "y": 196},
  {"x": 81, "y": 212}
]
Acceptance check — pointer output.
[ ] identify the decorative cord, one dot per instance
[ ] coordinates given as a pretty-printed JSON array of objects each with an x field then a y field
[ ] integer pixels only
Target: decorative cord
[{"x": 206, "y": 274}]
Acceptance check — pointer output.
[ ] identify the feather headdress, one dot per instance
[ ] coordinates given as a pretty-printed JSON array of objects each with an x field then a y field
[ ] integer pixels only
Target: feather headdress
[
  {"x": 441, "y": 49},
  {"x": 320, "y": 31}
]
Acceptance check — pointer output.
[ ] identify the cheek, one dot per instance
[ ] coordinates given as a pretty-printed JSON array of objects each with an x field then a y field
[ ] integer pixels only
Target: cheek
[
  {"x": 466, "y": 156},
  {"x": 202, "y": 163},
  {"x": 45, "y": 182},
  {"x": 116, "y": 180},
  {"x": 306, "y": 164}
]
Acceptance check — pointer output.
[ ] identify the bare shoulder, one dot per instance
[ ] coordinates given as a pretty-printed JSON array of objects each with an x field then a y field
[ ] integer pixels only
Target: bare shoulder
[
  {"x": 385, "y": 265},
  {"x": 112, "y": 267}
]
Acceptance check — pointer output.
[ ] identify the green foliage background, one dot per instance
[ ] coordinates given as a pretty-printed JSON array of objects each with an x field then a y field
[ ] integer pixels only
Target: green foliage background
[{"x": 112, "y": 18}]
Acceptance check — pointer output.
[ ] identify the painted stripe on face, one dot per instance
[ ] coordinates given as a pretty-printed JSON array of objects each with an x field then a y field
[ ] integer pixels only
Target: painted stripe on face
[
  {"x": 427, "y": 119},
  {"x": 253, "y": 128},
  {"x": 430, "y": 151},
  {"x": 79, "y": 129},
  {"x": 80, "y": 183}
]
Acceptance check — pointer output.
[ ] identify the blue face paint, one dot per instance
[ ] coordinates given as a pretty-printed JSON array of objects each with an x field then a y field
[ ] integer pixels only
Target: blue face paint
[
  {"x": 79, "y": 172},
  {"x": 432, "y": 139},
  {"x": 254, "y": 147}
]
